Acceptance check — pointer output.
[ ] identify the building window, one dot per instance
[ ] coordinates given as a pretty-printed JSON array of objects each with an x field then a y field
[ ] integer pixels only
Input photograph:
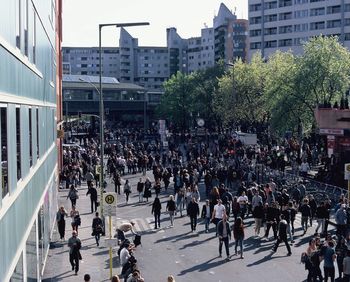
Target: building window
[
  {"x": 317, "y": 12},
  {"x": 317, "y": 25},
  {"x": 270, "y": 31},
  {"x": 25, "y": 21},
  {"x": 255, "y": 32},
  {"x": 4, "y": 165},
  {"x": 270, "y": 5},
  {"x": 298, "y": 2},
  {"x": 333, "y": 9},
  {"x": 30, "y": 137},
  {"x": 285, "y": 16},
  {"x": 34, "y": 36},
  {"x": 271, "y": 18},
  {"x": 37, "y": 133},
  {"x": 18, "y": 142},
  {"x": 18, "y": 23},
  {"x": 255, "y": 7},
  {"x": 285, "y": 3},
  {"x": 301, "y": 14},
  {"x": 255, "y": 45},
  {"x": 347, "y": 22},
  {"x": 285, "y": 42},
  {"x": 347, "y": 36},
  {"x": 255, "y": 20},
  {"x": 286, "y": 29},
  {"x": 271, "y": 44},
  {"x": 347, "y": 8},
  {"x": 333, "y": 23},
  {"x": 301, "y": 27}
]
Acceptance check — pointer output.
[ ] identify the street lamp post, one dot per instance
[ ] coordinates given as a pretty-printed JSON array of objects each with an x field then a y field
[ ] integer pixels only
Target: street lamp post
[{"x": 101, "y": 125}]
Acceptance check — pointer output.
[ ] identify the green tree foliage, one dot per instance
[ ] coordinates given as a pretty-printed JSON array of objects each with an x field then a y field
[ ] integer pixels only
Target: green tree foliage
[
  {"x": 240, "y": 96},
  {"x": 296, "y": 85},
  {"x": 188, "y": 96}
]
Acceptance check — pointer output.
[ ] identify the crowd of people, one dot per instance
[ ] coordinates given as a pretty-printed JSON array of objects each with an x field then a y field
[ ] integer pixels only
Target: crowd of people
[{"x": 232, "y": 189}]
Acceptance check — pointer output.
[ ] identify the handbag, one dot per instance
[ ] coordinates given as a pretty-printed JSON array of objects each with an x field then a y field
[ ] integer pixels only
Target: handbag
[{"x": 97, "y": 204}]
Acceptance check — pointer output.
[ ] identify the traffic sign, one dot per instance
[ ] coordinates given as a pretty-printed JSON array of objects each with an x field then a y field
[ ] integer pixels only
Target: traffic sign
[
  {"x": 347, "y": 171},
  {"x": 110, "y": 204}
]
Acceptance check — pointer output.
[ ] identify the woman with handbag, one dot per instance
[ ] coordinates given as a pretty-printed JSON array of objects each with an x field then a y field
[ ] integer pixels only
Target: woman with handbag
[
  {"x": 73, "y": 195},
  {"x": 147, "y": 192},
  {"x": 97, "y": 228},
  {"x": 61, "y": 222}
]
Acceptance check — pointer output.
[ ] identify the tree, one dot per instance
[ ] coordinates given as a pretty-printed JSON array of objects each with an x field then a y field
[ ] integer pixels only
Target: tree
[
  {"x": 296, "y": 85},
  {"x": 240, "y": 95}
]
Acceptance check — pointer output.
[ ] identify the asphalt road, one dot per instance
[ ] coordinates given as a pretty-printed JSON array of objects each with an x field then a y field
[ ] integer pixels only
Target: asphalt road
[{"x": 194, "y": 256}]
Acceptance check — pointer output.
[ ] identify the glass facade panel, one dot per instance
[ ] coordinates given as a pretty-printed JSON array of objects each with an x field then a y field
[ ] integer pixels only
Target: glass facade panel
[{"x": 17, "y": 275}]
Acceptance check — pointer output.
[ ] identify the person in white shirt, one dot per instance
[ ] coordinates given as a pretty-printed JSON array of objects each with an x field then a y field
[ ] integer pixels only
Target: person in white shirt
[
  {"x": 243, "y": 204},
  {"x": 218, "y": 213},
  {"x": 125, "y": 254},
  {"x": 304, "y": 168}
]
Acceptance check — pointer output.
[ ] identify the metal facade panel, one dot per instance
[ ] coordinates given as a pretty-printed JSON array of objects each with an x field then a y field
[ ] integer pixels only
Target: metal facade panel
[
  {"x": 11, "y": 148},
  {"x": 24, "y": 140}
]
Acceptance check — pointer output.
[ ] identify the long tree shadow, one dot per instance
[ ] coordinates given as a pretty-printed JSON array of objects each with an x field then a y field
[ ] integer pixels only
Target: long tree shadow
[
  {"x": 264, "y": 259},
  {"x": 59, "y": 277},
  {"x": 196, "y": 243},
  {"x": 203, "y": 266}
]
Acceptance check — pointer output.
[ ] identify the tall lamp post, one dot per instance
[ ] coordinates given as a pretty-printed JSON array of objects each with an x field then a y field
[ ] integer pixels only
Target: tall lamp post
[{"x": 101, "y": 125}]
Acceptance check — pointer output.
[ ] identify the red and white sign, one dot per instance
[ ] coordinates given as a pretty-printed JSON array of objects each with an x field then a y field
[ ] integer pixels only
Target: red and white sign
[{"x": 329, "y": 131}]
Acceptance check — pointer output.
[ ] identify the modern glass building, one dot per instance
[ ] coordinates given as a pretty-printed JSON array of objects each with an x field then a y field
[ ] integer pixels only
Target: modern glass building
[{"x": 29, "y": 88}]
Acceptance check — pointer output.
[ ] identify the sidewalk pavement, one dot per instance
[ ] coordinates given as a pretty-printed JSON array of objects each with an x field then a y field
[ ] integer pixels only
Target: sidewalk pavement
[{"x": 95, "y": 259}]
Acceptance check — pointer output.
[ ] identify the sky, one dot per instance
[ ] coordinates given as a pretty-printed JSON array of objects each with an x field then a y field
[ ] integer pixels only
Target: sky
[{"x": 82, "y": 17}]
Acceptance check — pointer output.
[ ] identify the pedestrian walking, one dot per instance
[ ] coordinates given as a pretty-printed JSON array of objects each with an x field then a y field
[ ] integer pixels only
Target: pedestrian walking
[
  {"x": 147, "y": 193},
  {"x": 171, "y": 278},
  {"x": 346, "y": 267},
  {"x": 193, "y": 212},
  {"x": 218, "y": 213},
  {"x": 140, "y": 187},
  {"x": 97, "y": 228},
  {"x": 224, "y": 233},
  {"x": 238, "y": 233},
  {"x": 76, "y": 220},
  {"x": 117, "y": 182},
  {"x": 156, "y": 210},
  {"x": 89, "y": 178},
  {"x": 329, "y": 257},
  {"x": 61, "y": 222},
  {"x": 305, "y": 211},
  {"x": 171, "y": 208},
  {"x": 93, "y": 197},
  {"x": 206, "y": 215},
  {"x": 258, "y": 213},
  {"x": 73, "y": 195},
  {"x": 127, "y": 190},
  {"x": 282, "y": 235},
  {"x": 180, "y": 195},
  {"x": 74, "y": 245},
  {"x": 157, "y": 187}
]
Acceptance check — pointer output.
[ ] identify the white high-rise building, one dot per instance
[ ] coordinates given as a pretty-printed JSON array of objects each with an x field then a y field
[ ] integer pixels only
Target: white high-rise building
[{"x": 285, "y": 24}]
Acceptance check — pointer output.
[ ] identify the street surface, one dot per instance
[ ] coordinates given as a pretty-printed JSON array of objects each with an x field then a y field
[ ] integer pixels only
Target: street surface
[{"x": 177, "y": 251}]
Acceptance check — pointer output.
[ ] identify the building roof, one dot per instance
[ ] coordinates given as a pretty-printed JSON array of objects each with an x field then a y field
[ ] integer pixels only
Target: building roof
[{"x": 88, "y": 81}]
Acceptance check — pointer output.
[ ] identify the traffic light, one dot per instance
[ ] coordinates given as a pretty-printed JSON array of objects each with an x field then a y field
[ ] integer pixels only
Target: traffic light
[{"x": 79, "y": 114}]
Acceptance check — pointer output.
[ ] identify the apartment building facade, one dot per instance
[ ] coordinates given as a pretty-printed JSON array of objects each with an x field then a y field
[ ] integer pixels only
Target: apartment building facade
[
  {"x": 150, "y": 67},
  {"x": 29, "y": 89},
  {"x": 285, "y": 24}
]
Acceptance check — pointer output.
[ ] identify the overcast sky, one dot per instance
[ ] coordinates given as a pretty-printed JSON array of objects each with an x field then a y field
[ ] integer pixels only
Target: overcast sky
[{"x": 81, "y": 19}]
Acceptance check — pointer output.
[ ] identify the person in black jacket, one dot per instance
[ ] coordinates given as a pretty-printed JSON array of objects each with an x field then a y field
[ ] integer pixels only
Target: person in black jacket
[
  {"x": 93, "y": 197},
  {"x": 289, "y": 215},
  {"x": 282, "y": 235},
  {"x": 272, "y": 217},
  {"x": 156, "y": 210},
  {"x": 171, "y": 208},
  {"x": 97, "y": 228},
  {"x": 321, "y": 214},
  {"x": 206, "y": 215},
  {"x": 224, "y": 233},
  {"x": 305, "y": 214},
  {"x": 193, "y": 212}
]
